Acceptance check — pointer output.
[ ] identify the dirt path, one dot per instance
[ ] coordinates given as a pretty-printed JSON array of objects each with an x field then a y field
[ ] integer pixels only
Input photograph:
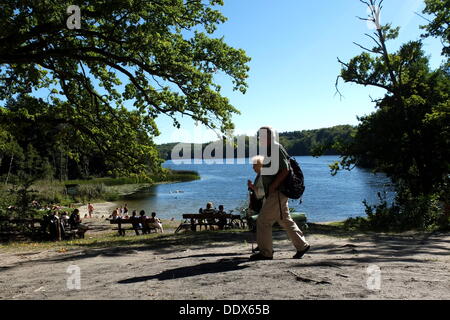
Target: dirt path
[{"x": 216, "y": 266}]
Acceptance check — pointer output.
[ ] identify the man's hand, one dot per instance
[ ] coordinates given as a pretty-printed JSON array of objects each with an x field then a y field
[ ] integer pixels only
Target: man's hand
[{"x": 250, "y": 185}]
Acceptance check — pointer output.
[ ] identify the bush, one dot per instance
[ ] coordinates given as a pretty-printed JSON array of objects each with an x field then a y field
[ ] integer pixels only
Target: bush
[
  {"x": 406, "y": 213},
  {"x": 111, "y": 196},
  {"x": 50, "y": 191},
  {"x": 90, "y": 191}
]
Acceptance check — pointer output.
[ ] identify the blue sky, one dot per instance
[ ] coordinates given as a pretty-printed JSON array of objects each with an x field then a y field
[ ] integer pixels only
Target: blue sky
[{"x": 294, "y": 45}]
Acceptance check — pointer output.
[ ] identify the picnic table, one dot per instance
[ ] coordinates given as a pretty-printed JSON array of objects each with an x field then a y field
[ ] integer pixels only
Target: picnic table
[
  {"x": 192, "y": 220},
  {"x": 122, "y": 230},
  {"x": 10, "y": 227},
  {"x": 15, "y": 226}
]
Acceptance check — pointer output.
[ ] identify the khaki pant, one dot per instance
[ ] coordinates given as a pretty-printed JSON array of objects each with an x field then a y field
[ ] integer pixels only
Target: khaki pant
[{"x": 269, "y": 214}]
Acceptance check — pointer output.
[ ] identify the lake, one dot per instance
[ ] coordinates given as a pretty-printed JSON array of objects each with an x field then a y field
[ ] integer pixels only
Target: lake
[{"x": 326, "y": 198}]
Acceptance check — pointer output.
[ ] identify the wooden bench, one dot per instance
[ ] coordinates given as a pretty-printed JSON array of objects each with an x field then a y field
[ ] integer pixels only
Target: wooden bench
[
  {"x": 192, "y": 221},
  {"x": 73, "y": 233},
  {"x": 10, "y": 228},
  {"x": 122, "y": 230},
  {"x": 14, "y": 227}
]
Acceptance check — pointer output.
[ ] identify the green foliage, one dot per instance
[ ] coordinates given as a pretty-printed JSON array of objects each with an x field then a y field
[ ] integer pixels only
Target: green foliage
[
  {"x": 24, "y": 195},
  {"x": 297, "y": 143},
  {"x": 88, "y": 192},
  {"x": 408, "y": 212},
  {"x": 407, "y": 137},
  {"x": 440, "y": 25},
  {"x": 311, "y": 142},
  {"x": 179, "y": 175},
  {"x": 50, "y": 192},
  {"x": 159, "y": 58},
  {"x": 110, "y": 181}
]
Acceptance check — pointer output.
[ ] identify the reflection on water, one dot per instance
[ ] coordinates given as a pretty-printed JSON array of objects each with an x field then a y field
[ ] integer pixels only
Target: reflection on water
[{"x": 326, "y": 198}]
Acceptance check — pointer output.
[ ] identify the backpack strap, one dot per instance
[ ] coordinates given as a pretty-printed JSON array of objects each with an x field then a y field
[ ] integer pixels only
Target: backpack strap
[
  {"x": 290, "y": 168},
  {"x": 287, "y": 155}
]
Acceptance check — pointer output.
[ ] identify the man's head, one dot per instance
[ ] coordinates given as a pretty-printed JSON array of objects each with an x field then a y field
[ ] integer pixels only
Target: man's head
[
  {"x": 221, "y": 207},
  {"x": 153, "y": 214},
  {"x": 142, "y": 213},
  {"x": 209, "y": 205}
]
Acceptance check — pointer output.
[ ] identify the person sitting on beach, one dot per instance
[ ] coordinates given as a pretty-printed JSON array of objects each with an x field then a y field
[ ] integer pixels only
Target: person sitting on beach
[
  {"x": 155, "y": 222},
  {"x": 75, "y": 220},
  {"x": 210, "y": 211},
  {"x": 222, "y": 220},
  {"x": 144, "y": 221},
  {"x": 51, "y": 223},
  {"x": 114, "y": 215},
  {"x": 135, "y": 222},
  {"x": 65, "y": 218}
]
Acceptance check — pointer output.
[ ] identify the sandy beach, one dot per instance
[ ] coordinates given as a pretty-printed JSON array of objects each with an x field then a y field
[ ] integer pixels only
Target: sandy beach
[{"x": 101, "y": 209}]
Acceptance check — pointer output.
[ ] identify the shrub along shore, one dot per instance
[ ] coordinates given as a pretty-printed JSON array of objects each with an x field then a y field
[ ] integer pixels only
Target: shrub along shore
[{"x": 67, "y": 193}]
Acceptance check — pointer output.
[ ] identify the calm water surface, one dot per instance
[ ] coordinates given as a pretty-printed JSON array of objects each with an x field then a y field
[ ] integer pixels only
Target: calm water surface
[{"x": 326, "y": 198}]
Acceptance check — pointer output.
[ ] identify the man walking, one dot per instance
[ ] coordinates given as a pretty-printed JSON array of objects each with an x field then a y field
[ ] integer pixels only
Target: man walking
[{"x": 275, "y": 206}]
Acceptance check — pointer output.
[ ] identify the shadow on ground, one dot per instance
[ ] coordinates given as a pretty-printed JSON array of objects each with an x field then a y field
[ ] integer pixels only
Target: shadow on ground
[
  {"x": 220, "y": 266},
  {"x": 368, "y": 247}
]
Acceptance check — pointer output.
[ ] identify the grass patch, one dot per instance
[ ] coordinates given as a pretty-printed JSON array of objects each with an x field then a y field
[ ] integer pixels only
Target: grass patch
[
  {"x": 113, "y": 240},
  {"x": 113, "y": 189},
  {"x": 171, "y": 176}
]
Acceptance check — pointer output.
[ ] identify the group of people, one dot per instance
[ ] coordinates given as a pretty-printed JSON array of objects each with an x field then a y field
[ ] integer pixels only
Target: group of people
[
  {"x": 141, "y": 222},
  {"x": 221, "y": 221},
  {"x": 58, "y": 223}
]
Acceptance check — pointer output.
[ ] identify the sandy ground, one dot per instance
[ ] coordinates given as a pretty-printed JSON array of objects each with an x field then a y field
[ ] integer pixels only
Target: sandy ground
[
  {"x": 103, "y": 209},
  {"x": 215, "y": 266}
]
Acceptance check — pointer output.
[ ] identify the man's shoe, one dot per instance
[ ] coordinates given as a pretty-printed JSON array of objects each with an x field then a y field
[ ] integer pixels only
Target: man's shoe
[
  {"x": 259, "y": 256},
  {"x": 300, "y": 254},
  {"x": 257, "y": 250}
]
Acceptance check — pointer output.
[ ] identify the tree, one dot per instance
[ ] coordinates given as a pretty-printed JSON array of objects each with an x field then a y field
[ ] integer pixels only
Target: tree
[
  {"x": 440, "y": 25},
  {"x": 159, "y": 56},
  {"x": 407, "y": 137}
]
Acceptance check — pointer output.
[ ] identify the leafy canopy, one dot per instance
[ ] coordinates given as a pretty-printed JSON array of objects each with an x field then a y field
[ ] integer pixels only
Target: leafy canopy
[
  {"x": 407, "y": 137},
  {"x": 440, "y": 25},
  {"x": 158, "y": 56}
]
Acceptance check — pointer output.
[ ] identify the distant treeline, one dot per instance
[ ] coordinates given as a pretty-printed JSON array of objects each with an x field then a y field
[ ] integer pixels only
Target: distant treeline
[{"x": 297, "y": 143}]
